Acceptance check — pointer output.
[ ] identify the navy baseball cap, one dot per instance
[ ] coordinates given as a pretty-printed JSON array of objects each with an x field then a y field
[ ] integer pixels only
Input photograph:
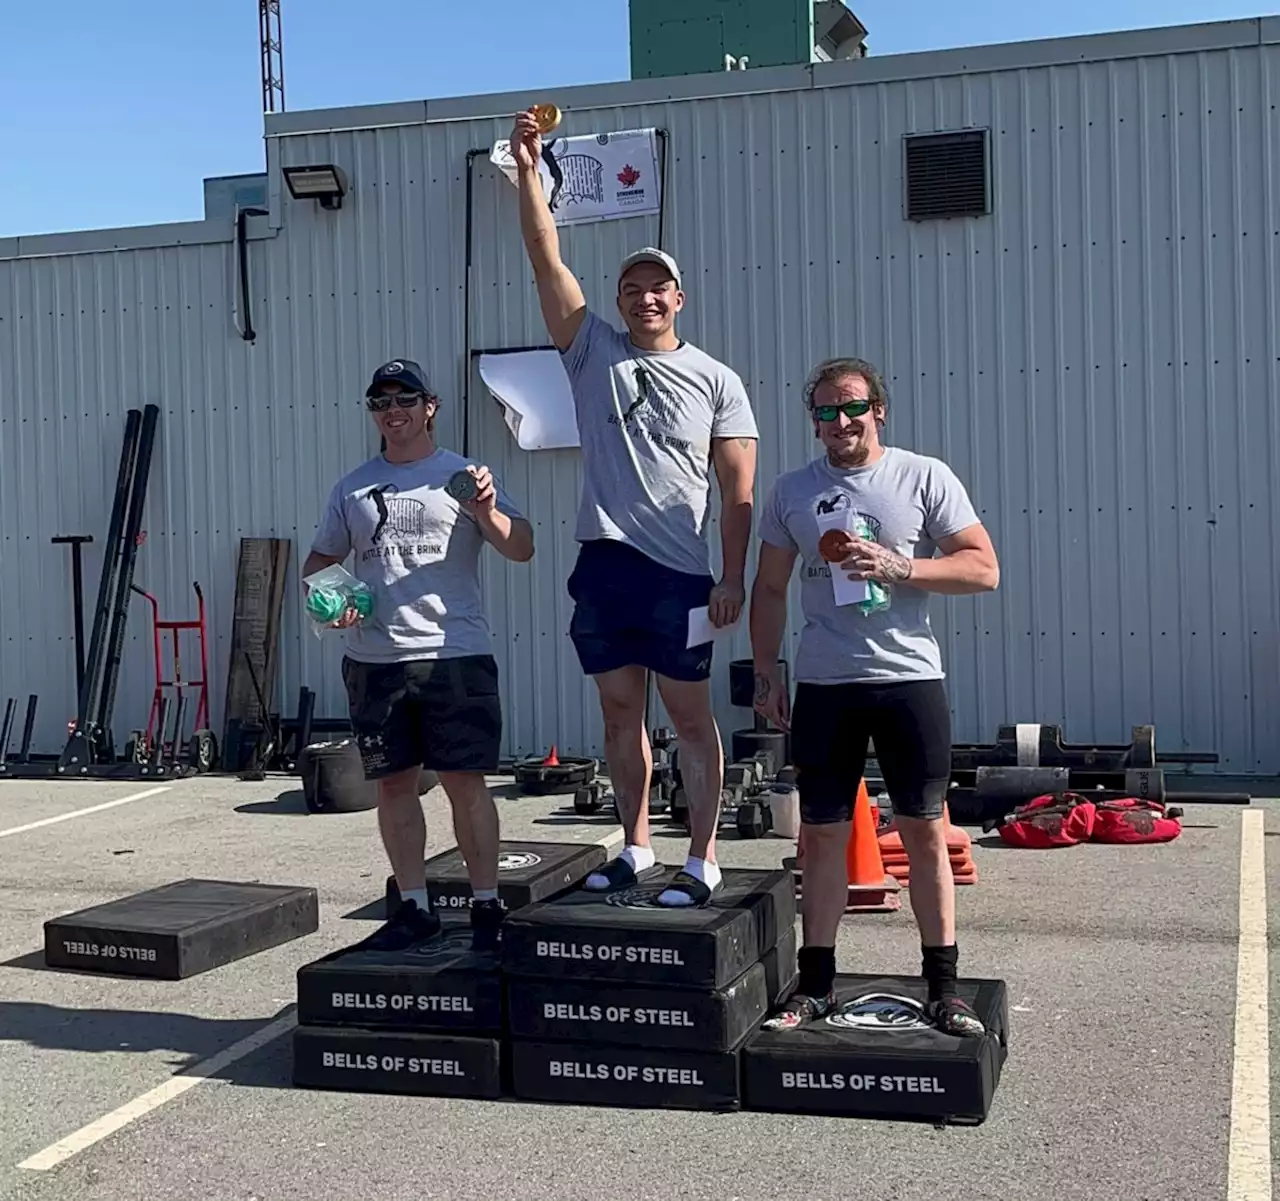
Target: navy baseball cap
[{"x": 399, "y": 371}]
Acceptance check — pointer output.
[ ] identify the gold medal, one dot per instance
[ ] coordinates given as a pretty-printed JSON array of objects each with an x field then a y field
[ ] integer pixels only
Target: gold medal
[
  {"x": 835, "y": 546},
  {"x": 547, "y": 116}
]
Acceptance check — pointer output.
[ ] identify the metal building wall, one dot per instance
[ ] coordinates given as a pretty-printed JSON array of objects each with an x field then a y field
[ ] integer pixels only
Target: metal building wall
[
  {"x": 86, "y": 334},
  {"x": 1097, "y": 360}
]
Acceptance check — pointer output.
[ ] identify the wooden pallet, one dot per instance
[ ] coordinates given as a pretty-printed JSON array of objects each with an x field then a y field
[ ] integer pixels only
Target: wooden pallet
[{"x": 261, "y": 575}]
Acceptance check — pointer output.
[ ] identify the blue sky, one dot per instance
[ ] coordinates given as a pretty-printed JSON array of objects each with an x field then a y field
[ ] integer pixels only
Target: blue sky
[{"x": 112, "y": 113}]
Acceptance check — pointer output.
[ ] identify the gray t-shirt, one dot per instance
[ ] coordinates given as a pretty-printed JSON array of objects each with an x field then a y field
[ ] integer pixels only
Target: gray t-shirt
[
  {"x": 909, "y": 501},
  {"x": 646, "y": 419},
  {"x": 419, "y": 552}
]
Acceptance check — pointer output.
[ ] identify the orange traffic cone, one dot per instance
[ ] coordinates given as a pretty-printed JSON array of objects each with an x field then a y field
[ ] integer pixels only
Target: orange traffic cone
[
  {"x": 959, "y": 851},
  {"x": 871, "y": 888},
  {"x": 552, "y": 760}
]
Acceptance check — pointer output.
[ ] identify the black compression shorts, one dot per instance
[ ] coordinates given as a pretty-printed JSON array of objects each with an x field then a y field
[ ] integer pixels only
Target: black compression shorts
[{"x": 831, "y": 724}]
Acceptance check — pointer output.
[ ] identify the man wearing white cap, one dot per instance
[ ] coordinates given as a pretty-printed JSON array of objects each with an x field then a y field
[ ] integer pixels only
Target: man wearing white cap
[{"x": 655, "y": 414}]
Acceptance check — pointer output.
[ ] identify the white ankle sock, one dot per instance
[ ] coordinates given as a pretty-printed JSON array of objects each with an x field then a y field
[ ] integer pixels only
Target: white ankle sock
[
  {"x": 639, "y": 858},
  {"x": 485, "y": 894},
  {"x": 418, "y": 896},
  {"x": 699, "y": 869}
]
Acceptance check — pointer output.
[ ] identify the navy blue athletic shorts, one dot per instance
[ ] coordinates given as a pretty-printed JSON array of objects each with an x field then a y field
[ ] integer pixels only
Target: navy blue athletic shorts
[{"x": 630, "y": 610}]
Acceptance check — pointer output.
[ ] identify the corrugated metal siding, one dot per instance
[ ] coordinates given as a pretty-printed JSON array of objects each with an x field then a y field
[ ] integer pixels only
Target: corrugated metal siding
[
  {"x": 1097, "y": 360},
  {"x": 83, "y": 338}
]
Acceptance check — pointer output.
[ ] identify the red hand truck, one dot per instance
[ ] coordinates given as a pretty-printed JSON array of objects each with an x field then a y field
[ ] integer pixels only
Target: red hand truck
[{"x": 151, "y": 744}]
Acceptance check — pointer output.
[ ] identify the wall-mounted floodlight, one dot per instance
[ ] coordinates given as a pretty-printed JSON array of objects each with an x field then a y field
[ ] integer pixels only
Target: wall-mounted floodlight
[{"x": 324, "y": 183}]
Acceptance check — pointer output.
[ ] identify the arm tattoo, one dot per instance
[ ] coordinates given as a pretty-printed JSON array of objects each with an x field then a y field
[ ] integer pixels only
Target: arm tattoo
[
  {"x": 896, "y": 568},
  {"x": 745, "y": 443},
  {"x": 762, "y": 688}
]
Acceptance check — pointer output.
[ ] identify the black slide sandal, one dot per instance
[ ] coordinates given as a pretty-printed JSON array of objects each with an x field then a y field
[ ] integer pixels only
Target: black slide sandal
[
  {"x": 693, "y": 888},
  {"x": 620, "y": 874}
]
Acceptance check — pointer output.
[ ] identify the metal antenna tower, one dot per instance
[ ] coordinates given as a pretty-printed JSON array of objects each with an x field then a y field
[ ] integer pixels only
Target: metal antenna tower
[{"x": 272, "y": 56}]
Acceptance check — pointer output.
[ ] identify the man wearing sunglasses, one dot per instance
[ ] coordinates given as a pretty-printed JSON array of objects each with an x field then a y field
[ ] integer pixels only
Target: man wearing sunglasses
[
  {"x": 656, "y": 415},
  {"x": 421, "y": 679},
  {"x": 865, "y": 672}
]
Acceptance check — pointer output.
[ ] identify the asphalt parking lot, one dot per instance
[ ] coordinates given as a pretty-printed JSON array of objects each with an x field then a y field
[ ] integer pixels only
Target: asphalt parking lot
[{"x": 1121, "y": 964}]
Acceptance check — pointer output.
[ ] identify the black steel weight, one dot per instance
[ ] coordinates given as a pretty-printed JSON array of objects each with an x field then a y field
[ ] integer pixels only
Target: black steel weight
[
  {"x": 1021, "y": 784},
  {"x": 774, "y": 745},
  {"x": 742, "y": 682},
  {"x": 462, "y": 486},
  {"x": 1032, "y": 744}
]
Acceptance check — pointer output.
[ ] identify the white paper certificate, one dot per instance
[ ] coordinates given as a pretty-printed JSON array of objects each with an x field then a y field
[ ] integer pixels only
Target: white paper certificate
[{"x": 846, "y": 591}]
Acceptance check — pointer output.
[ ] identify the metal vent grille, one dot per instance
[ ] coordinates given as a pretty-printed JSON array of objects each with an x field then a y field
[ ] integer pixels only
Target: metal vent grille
[{"x": 947, "y": 175}]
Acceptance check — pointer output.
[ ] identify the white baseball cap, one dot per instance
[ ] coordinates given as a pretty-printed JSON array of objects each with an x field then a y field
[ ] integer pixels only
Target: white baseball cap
[{"x": 651, "y": 254}]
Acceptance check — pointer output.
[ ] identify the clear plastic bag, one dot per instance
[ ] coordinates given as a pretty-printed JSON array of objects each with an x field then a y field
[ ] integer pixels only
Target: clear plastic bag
[
  {"x": 878, "y": 598},
  {"x": 331, "y": 593}
]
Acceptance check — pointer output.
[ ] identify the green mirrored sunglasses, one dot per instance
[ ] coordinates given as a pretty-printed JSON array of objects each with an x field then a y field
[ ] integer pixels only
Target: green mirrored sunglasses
[{"x": 851, "y": 409}]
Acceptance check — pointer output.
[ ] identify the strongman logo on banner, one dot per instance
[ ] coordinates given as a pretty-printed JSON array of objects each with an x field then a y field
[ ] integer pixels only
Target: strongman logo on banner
[{"x": 594, "y": 177}]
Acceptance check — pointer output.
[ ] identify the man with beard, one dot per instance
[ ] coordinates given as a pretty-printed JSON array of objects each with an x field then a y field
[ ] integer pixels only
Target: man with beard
[
  {"x": 422, "y": 683},
  {"x": 654, "y": 414},
  {"x": 873, "y": 674}
]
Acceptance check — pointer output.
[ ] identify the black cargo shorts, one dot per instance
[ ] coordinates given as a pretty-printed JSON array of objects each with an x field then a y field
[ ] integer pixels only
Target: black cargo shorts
[{"x": 441, "y": 714}]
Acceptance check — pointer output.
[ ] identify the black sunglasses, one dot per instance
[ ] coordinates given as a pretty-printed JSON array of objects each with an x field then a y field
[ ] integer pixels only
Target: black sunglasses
[
  {"x": 851, "y": 409},
  {"x": 403, "y": 400}
]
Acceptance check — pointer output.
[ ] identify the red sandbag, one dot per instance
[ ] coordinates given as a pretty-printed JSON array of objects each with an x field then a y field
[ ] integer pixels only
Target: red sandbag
[
  {"x": 1052, "y": 820},
  {"x": 1135, "y": 821}
]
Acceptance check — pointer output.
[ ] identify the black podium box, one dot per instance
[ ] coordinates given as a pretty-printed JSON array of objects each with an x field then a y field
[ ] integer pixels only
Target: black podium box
[
  {"x": 626, "y": 937},
  {"x": 527, "y": 872},
  {"x": 876, "y": 1056},
  {"x": 442, "y": 986},
  {"x": 584, "y": 1012},
  {"x": 396, "y": 1061},
  {"x": 633, "y": 1077},
  {"x": 180, "y": 929}
]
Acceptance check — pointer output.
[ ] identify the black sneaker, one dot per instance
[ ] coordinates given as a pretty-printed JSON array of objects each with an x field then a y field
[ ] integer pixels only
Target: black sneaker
[
  {"x": 800, "y": 1008},
  {"x": 486, "y": 923},
  {"x": 408, "y": 927},
  {"x": 951, "y": 1015}
]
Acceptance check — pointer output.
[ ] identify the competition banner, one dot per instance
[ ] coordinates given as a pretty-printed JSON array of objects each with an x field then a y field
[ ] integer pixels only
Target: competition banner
[{"x": 594, "y": 177}]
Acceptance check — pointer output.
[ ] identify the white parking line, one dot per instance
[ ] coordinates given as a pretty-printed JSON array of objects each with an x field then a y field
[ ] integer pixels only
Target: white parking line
[
  {"x": 1249, "y": 1149},
  {"x": 175, "y": 1086},
  {"x": 185, "y": 1080},
  {"x": 66, "y": 817}
]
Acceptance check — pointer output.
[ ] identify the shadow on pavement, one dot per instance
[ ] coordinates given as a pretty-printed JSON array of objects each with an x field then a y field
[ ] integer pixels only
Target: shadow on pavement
[
  {"x": 374, "y": 911},
  {"x": 291, "y": 801},
  {"x": 576, "y": 819},
  {"x": 188, "y": 1038}
]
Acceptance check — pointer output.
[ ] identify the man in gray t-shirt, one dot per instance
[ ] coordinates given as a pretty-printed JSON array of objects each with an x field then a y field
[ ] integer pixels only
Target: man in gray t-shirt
[
  {"x": 421, "y": 678},
  {"x": 866, "y": 523},
  {"x": 655, "y": 416}
]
